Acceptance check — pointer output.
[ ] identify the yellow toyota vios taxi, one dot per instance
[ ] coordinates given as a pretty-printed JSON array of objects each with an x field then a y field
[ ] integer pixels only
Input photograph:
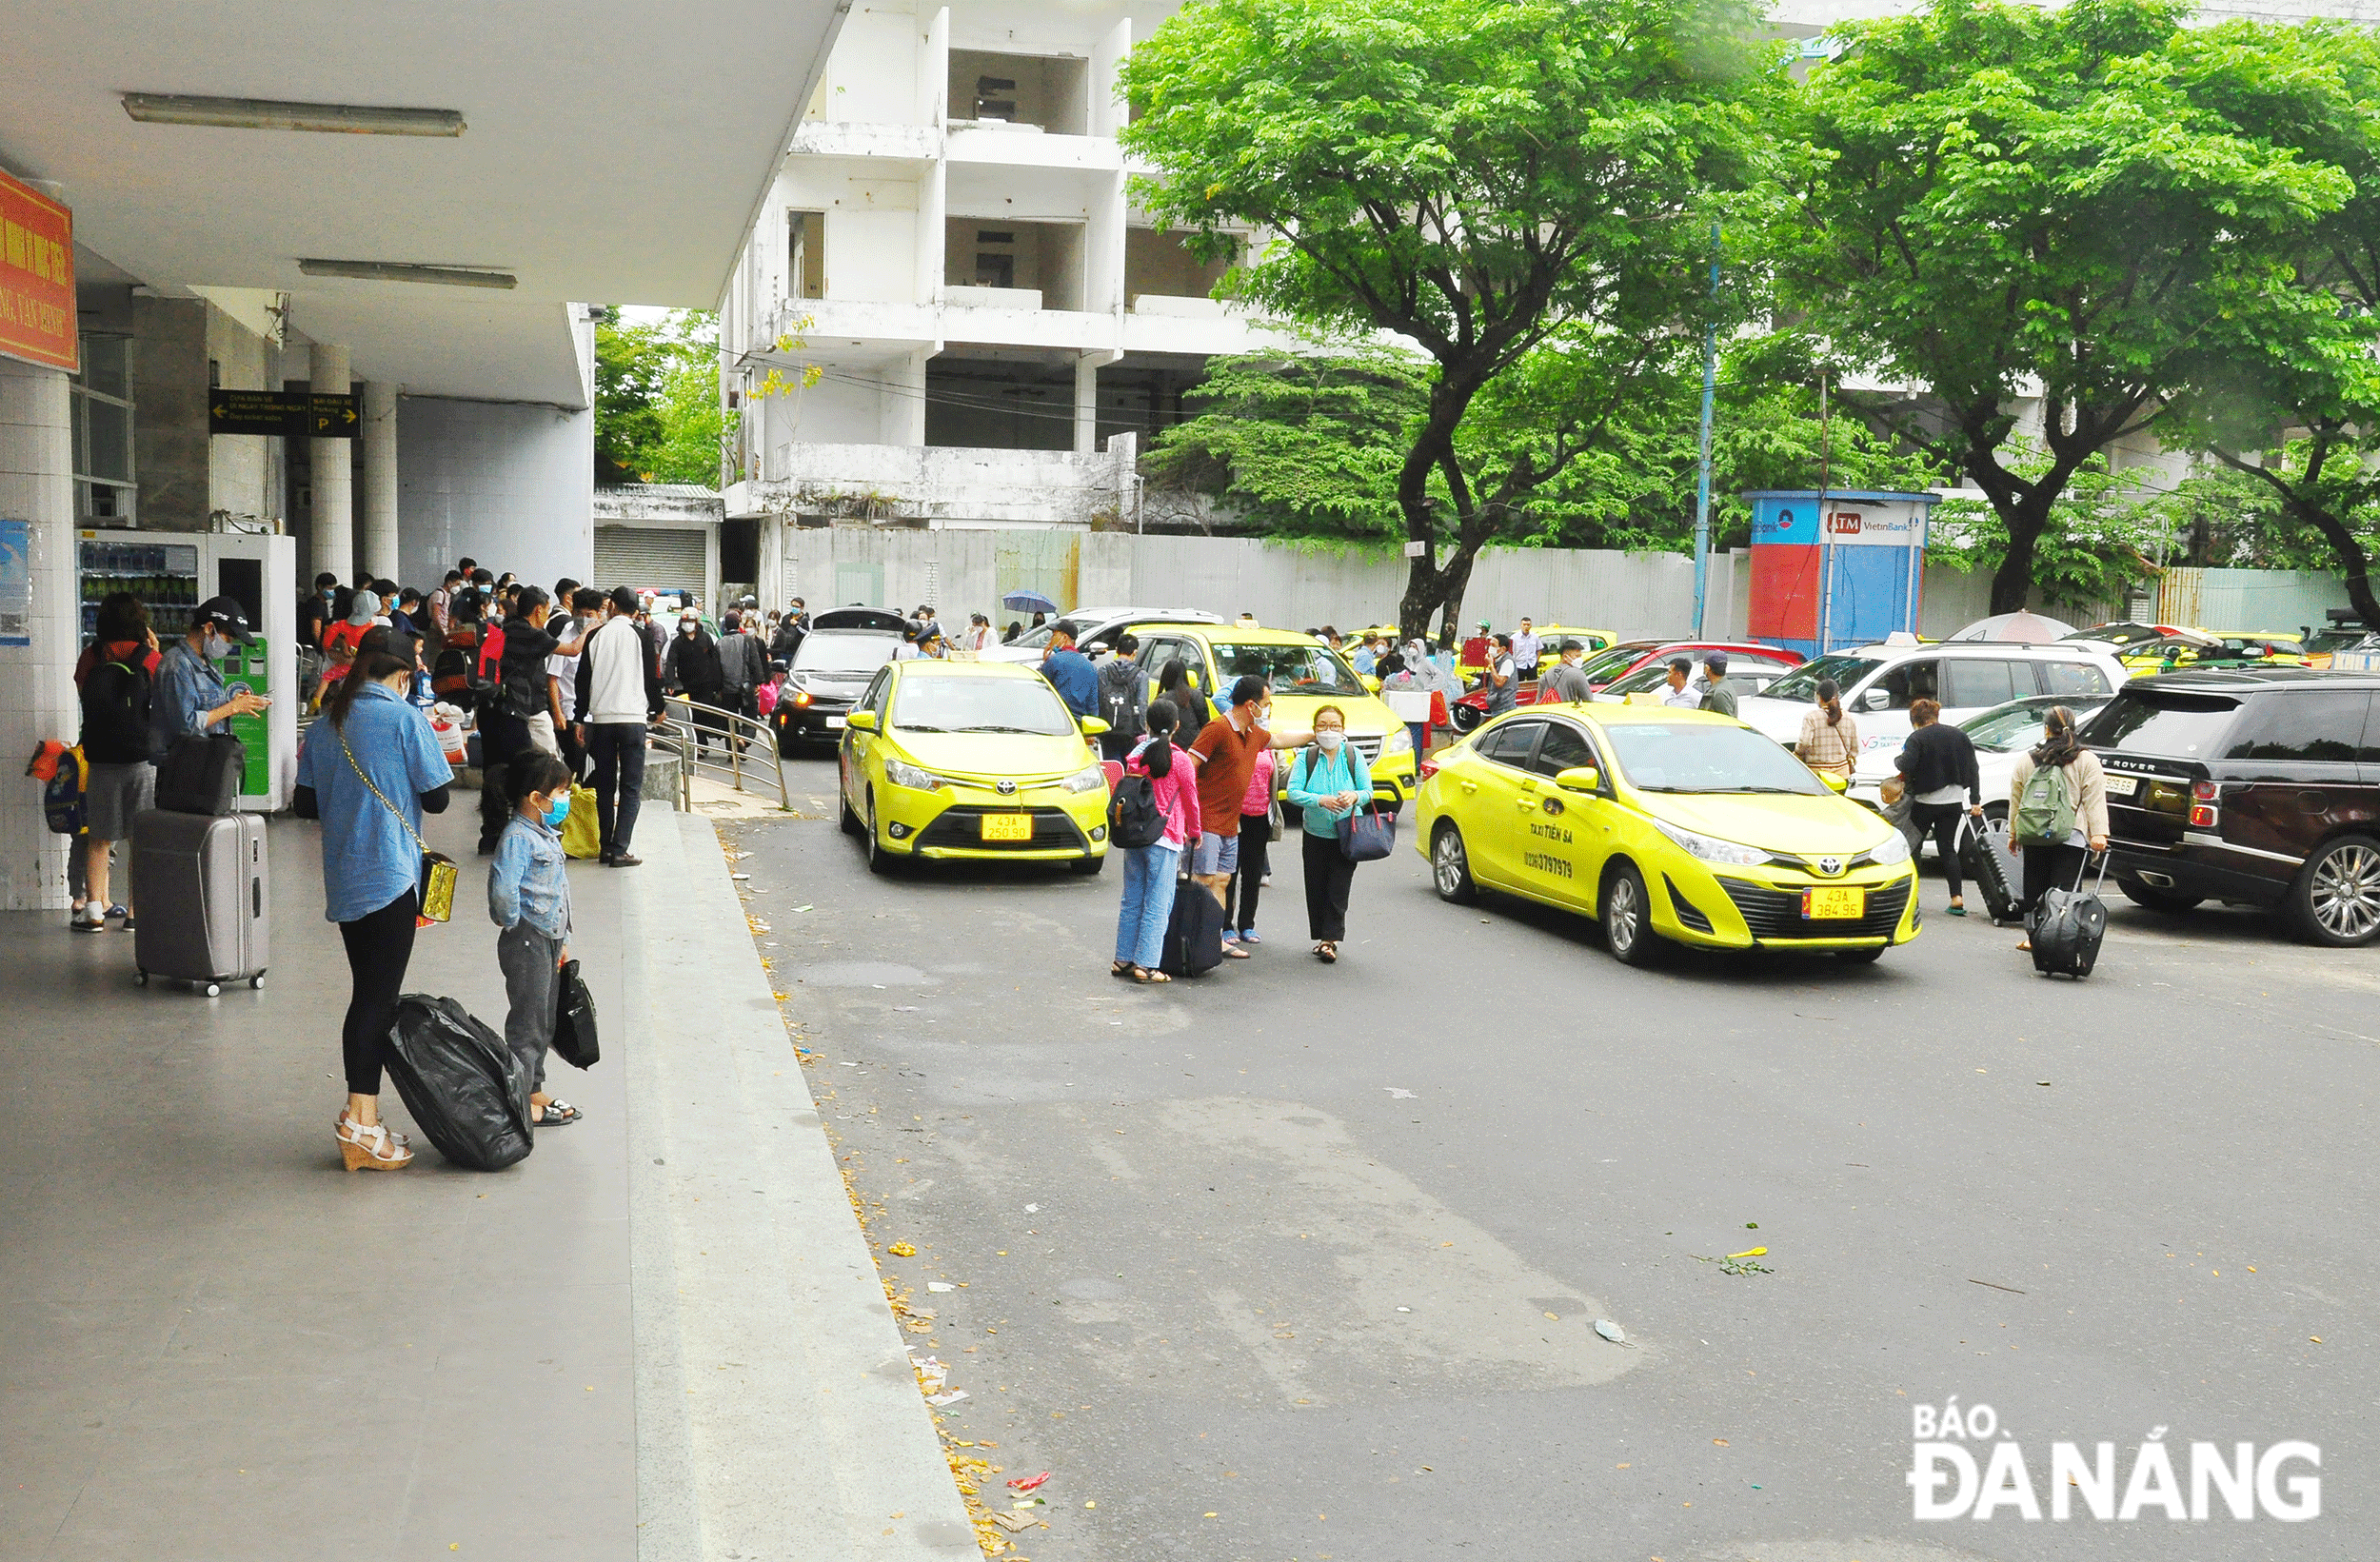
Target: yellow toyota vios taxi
[
  {"x": 1667, "y": 826},
  {"x": 1304, "y": 675},
  {"x": 972, "y": 759}
]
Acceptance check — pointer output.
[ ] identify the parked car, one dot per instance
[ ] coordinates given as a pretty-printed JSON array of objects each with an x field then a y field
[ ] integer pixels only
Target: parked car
[
  {"x": 830, "y": 670},
  {"x": 1615, "y": 662},
  {"x": 2252, "y": 787},
  {"x": 1088, "y": 624},
  {"x": 2000, "y": 735},
  {"x": 1750, "y": 670},
  {"x": 1967, "y": 676}
]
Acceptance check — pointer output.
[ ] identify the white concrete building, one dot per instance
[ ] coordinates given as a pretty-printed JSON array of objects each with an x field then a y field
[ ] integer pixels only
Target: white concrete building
[{"x": 994, "y": 330}]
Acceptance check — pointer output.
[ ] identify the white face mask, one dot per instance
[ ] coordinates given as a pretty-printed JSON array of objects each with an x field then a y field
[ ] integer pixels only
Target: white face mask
[{"x": 1329, "y": 740}]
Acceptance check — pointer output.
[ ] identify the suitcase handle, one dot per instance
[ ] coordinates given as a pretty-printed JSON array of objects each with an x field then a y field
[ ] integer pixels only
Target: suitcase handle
[{"x": 2102, "y": 883}]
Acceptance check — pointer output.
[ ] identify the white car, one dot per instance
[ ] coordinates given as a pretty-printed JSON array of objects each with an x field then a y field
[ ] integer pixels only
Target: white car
[
  {"x": 1087, "y": 624},
  {"x": 1879, "y": 681},
  {"x": 2000, "y": 735}
]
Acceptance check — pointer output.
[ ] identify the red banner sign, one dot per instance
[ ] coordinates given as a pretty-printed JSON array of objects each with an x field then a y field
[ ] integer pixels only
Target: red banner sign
[{"x": 36, "y": 278}]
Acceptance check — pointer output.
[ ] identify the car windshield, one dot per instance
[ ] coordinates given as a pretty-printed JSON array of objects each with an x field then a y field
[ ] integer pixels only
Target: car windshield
[
  {"x": 827, "y": 651},
  {"x": 2004, "y": 729},
  {"x": 1602, "y": 667},
  {"x": 1706, "y": 756},
  {"x": 1802, "y": 683},
  {"x": 980, "y": 704},
  {"x": 1288, "y": 670},
  {"x": 2174, "y": 724}
]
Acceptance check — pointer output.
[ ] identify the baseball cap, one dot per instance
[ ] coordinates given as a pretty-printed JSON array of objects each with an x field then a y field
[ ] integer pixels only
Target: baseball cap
[
  {"x": 1716, "y": 659},
  {"x": 365, "y": 607},
  {"x": 226, "y": 614}
]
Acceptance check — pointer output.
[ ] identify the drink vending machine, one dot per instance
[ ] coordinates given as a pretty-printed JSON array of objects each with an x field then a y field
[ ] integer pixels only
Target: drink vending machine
[{"x": 174, "y": 572}]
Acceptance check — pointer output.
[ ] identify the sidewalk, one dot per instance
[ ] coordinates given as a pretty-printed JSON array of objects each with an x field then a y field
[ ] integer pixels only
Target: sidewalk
[{"x": 660, "y": 1337}]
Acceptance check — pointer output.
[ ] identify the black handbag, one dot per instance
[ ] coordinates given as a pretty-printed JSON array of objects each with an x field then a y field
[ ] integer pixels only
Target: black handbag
[{"x": 574, "y": 1019}]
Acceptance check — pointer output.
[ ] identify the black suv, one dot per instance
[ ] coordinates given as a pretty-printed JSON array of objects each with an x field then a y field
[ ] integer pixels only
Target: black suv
[{"x": 2254, "y": 787}]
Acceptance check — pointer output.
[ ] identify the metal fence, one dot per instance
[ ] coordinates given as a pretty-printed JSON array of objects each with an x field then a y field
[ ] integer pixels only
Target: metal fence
[{"x": 723, "y": 745}]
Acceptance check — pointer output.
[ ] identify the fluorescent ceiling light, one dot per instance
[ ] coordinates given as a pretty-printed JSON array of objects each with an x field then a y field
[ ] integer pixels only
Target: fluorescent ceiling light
[
  {"x": 446, "y": 276},
  {"x": 266, "y": 114}
]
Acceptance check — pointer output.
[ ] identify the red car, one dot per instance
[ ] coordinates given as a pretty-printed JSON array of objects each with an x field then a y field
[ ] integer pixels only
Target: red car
[{"x": 1758, "y": 665}]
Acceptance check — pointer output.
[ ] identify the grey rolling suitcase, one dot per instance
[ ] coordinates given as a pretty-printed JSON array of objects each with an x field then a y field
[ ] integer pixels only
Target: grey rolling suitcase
[{"x": 204, "y": 909}]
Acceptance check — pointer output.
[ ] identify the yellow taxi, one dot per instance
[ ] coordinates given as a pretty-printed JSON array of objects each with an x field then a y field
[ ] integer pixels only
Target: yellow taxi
[
  {"x": 1304, "y": 675},
  {"x": 1668, "y": 827},
  {"x": 972, "y": 759}
]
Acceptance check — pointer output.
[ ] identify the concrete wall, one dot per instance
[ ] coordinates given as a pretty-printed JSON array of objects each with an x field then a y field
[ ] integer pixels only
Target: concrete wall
[
  {"x": 170, "y": 439},
  {"x": 512, "y": 484},
  {"x": 37, "y": 697}
]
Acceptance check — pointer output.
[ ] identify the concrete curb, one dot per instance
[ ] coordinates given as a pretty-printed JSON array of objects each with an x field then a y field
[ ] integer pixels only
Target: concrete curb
[{"x": 777, "y": 1414}]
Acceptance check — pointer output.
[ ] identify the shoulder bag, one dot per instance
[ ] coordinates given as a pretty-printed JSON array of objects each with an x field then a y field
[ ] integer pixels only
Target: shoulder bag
[{"x": 438, "y": 869}]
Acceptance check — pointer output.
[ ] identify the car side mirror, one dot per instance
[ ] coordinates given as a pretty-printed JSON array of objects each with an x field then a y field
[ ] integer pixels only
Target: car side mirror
[
  {"x": 1875, "y": 699},
  {"x": 1097, "y": 648},
  {"x": 1093, "y": 726},
  {"x": 1582, "y": 778},
  {"x": 1833, "y": 781},
  {"x": 861, "y": 720}
]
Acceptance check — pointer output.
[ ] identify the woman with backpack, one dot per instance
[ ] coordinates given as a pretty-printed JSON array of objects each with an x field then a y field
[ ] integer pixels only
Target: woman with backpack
[
  {"x": 1158, "y": 797},
  {"x": 1327, "y": 784},
  {"x": 2057, "y": 811},
  {"x": 120, "y": 748}
]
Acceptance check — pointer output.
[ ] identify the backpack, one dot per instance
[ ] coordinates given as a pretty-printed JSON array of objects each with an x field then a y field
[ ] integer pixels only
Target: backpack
[
  {"x": 1123, "y": 697},
  {"x": 2045, "y": 809},
  {"x": 64, "y": 781},
  {"x": 1132, "y": 817}
]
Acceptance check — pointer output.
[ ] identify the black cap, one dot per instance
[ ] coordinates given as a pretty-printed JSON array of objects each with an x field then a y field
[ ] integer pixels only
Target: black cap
[
  {"x": 1715, "y": 660},
  {"x": 226, "y": 614}
]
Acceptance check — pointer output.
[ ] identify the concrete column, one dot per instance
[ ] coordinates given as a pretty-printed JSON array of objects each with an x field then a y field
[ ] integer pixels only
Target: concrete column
[
  {"x": 334, "y": 479},
  {"x": 37, "y": 697},
  {"x": 379, "y": 539},
  {"x": 1086, "y": 402}
]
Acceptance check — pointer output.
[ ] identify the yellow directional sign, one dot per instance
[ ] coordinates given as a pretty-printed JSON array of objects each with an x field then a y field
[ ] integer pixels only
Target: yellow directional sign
[{"x": 334, "y": 417}]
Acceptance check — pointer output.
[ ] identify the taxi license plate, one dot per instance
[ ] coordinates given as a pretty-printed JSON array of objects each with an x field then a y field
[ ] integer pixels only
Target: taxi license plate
[
  {"x": 1007, "y": 826},
  {"x": 1836, "y": 903},
  {"x": 833, "y": 723},
  {"x": 2122, "y": 786}
]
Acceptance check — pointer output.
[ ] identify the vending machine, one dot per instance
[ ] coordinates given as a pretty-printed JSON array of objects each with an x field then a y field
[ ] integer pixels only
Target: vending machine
[{"x": 174, "y": 572}]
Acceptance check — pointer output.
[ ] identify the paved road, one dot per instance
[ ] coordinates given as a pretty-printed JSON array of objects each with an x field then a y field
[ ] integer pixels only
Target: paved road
[{"x": 1302, "y": 1262}]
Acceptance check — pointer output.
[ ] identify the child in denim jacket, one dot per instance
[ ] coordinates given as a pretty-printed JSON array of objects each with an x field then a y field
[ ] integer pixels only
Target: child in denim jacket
[{"x": 528, "y": 895}]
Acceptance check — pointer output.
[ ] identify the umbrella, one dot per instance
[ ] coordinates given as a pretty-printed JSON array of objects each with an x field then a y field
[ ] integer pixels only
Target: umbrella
[
  {"x": 2019, "y": 626},
  {"x": 1027, "y": 602}
]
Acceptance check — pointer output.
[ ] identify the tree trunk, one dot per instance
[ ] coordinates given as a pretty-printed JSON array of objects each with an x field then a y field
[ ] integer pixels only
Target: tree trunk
[
  {"x": 2355, "y": 563},
  {"x": 2012, "y": 582}
]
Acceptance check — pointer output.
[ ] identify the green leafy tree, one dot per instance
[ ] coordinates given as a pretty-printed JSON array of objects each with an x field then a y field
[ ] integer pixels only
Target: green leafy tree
[
  {"x": 1521, "y": 188},
  {"x": 657, "y": 412},
  {"x": 2106, "y": 530},
  {"x": 1996, "y": 203}
]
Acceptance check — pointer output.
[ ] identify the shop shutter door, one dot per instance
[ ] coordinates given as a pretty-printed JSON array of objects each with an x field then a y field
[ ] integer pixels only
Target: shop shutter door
[{"x": 650, "y": 558}]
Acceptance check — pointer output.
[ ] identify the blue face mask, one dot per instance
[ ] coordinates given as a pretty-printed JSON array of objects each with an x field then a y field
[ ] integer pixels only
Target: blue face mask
[{"x": 560, "y": 811}]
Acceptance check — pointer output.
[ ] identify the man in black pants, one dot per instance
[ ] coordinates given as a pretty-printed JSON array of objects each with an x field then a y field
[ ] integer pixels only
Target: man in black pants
[
  {"x": 619, "y": 697},
  {"x": 522, "y": 693}
]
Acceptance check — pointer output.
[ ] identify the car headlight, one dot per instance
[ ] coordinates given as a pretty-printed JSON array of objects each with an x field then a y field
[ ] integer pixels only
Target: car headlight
[
  {"x": 1712, "y": 849},
  {"x": 902, "y": 774},
  {"x": 1089, "y": 780},
  {"x": 1399, "y": 740},
  {"x": 1894, "y": 850}
]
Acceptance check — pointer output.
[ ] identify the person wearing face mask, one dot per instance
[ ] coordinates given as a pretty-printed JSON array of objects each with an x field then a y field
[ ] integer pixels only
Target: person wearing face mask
[
  {"x": 1564, "y": 683},
  {"x": 1226, "y": 754},
  {"x": 528, "y": 895},
  {"x": 191, "y": 696},
  {"x": 1327, "y": 784},
  {"x": 692, "y": 668}
]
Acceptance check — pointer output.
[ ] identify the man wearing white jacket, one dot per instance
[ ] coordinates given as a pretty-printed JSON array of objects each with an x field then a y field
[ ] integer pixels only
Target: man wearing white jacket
[{"x": 619, "y": 697}]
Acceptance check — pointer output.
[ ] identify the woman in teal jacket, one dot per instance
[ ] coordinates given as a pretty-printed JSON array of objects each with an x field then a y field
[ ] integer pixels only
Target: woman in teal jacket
[{"x": 1328, "y": 783}]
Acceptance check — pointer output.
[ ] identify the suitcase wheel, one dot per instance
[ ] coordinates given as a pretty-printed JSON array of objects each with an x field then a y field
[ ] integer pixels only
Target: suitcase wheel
[
  {"x": 256, "y": 983},
  {"x": 212, "y": 989},
  {"x": 140, "y": 978}
]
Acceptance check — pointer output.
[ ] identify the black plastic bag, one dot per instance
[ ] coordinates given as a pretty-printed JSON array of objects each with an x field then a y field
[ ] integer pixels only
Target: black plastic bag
[
  {"x": 574, "y": 1019},
  {"x": 462, "y": 1083}
]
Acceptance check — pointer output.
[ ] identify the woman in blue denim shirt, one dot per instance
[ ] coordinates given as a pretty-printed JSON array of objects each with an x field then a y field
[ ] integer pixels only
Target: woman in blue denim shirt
[{"x": 369, "y": 769}]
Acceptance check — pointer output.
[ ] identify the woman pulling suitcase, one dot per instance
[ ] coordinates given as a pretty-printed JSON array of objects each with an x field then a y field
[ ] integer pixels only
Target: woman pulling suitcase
[
  {"x": 370, "y": 768},
  {"x": 2057, "y": 813}
]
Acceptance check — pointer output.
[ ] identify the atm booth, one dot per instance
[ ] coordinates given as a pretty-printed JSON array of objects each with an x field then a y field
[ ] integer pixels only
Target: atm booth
[{"x": 1837, "y": 570}]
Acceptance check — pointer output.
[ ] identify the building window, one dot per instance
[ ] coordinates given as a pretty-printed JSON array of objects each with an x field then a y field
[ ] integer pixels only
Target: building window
[{"x": 102, "y": 429}]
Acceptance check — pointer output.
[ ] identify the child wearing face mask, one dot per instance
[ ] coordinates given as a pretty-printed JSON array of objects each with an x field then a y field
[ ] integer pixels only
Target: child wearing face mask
[{"x": 528, "y": 895}]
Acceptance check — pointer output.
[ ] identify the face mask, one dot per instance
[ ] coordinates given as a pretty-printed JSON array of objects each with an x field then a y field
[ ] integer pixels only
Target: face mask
[
  {"x": 1329, "y": 742},
  {"x": 218, "y": 649},
  {"x": 1264, "y": 719},
  {"x": 560, "y": 811},
  {"x": 686, "y": 628}
]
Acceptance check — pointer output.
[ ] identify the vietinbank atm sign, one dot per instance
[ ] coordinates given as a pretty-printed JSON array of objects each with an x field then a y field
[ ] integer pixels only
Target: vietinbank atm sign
[{"x": 1861, "y": 521}]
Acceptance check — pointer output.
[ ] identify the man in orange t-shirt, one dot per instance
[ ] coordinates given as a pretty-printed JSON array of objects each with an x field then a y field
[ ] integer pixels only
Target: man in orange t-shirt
[{"x": 1227, "y": 752}]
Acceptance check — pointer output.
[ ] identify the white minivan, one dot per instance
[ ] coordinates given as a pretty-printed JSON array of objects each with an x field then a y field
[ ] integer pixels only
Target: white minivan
[{"x": 1968, "y": 677}]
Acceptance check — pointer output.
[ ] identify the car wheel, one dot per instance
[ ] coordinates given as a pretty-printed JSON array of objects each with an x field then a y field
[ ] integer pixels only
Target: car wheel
[
  {"x": 1466, "y": 718},
  {"x": 1860, "y": 956},
  {"x": 1628, "y": 918},
  {"x": 1088, "y": 866},
  {"x": 879, "y": 859},
  {"x": 2152, "y": 899},
  {"x": 2336, "y": 900},
  {"x": 1450, "y": 867},
  {"x": 851, "y": 824}
]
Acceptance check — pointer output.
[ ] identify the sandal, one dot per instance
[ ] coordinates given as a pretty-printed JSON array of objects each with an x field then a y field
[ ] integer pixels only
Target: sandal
[
  {"x": 559, "y": 1113},
  {"x": 1146, "y": 975},
  {"x": 1233, "y": 952},
  {"x": 1326, "y": 953},
  {"x": 372, "y": 1148},
  {"x": 1123, "y": 969}
]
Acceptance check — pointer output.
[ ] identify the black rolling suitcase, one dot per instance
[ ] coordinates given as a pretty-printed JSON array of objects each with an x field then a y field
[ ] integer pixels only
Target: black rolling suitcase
[
  {"x": 2069, "y": 926},
  {"x": 1194, "y": 934},
  {"x": 206, "y": 910},
  {"x": 462, "y": 1083},
  {"x": 1984, "y": 859}
]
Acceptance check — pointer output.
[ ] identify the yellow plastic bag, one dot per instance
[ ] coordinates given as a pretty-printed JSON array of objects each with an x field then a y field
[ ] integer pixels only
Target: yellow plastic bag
[{"x": 582, "y": 833}]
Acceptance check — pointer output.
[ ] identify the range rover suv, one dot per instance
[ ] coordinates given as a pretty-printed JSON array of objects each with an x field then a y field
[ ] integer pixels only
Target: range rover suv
[{"x": 2252, "y": 788}]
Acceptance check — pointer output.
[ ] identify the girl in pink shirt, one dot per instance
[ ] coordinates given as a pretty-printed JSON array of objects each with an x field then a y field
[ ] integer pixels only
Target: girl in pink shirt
[{"x": 1148, "y": 899}]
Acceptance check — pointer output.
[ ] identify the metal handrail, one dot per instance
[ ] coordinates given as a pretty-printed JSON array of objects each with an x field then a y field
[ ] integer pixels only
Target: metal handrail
[{"x": 739, "y": 730}]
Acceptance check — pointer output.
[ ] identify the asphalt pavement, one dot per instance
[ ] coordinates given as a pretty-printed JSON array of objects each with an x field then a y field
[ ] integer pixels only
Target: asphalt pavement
[{"x": 1305, "y": 1262}]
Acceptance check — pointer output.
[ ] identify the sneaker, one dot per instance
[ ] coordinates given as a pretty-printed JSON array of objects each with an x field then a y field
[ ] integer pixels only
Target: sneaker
[
  {"x": 1265, "y": 883},
  {"x": 127, "y": 922},
  {"x": 86, "y": 923},
  {"x": 1247, "y": 935},
  {"x": 627, "y": 859}
]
